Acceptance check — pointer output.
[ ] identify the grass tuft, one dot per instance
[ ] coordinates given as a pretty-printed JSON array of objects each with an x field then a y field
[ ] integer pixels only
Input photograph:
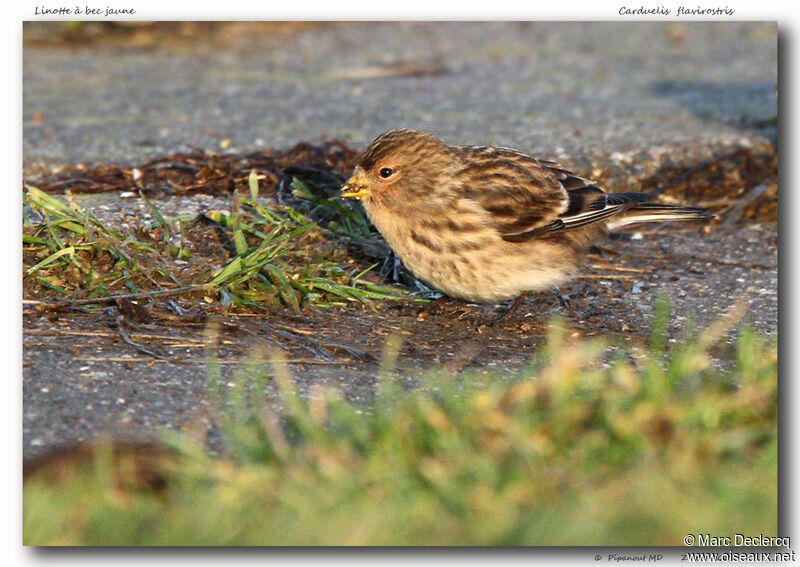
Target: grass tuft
[{"x": 251, "y": 257}]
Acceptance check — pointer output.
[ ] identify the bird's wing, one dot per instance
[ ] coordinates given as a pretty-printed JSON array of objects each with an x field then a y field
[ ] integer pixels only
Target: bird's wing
[
  {"x": 528, "y": 197},
  {"x": 588, "y": 204},
  {"x": 519, "y": 193}
]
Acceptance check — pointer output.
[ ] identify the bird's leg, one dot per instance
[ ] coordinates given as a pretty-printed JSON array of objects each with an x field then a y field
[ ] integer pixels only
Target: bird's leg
[
  {"x": 390, "y": 269},
  {"x": 605, "y": 253},
  {"x": 516, "y": 304},
  {"x": 510, "y": 312},
  {"x": 562, "y": 298}
]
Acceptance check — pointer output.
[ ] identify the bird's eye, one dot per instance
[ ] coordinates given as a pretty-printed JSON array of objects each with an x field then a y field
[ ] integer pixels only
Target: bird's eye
[{"x": 386, "y": 172}]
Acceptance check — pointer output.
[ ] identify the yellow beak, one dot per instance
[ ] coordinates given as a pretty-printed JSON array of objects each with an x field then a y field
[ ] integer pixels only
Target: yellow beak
[
  {"x": 350, "y": 193},
  {"x": 355, "y": 188}
]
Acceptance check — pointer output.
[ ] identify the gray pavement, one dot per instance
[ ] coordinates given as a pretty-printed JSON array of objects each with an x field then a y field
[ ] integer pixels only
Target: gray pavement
[{"x": 563, "y": 88}]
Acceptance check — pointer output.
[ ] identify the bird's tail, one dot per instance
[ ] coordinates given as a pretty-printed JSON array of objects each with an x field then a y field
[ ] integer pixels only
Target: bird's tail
[
  {"x": 639, "y": 211},
  {"x": 653, "y": 212}
]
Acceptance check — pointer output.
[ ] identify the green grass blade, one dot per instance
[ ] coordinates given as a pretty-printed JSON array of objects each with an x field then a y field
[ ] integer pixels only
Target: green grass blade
[{"x": 70, "y": 250}]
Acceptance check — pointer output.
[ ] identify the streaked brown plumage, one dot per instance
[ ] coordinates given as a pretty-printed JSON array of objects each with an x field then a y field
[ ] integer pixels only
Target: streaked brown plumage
[{"x": 483, "y": 223}]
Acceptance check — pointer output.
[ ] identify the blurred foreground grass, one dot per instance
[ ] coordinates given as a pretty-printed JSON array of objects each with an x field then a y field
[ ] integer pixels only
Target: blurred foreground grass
[{"x": 591, "y": 444}]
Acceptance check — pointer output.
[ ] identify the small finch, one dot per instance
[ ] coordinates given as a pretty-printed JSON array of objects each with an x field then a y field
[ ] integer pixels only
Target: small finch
[{"x": 484, "y": 223}]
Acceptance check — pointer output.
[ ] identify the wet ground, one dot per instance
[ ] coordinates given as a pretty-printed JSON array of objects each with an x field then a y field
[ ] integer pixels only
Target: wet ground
[{"x": 688, "y": 107}]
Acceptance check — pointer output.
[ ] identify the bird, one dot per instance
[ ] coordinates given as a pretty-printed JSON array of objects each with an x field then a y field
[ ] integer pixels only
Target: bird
[{"x": 487, "y": 224}]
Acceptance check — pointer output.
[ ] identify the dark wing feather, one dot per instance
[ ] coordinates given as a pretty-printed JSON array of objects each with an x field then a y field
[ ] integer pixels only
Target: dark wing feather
[
  {"x": 519, "y": 192},
  {"x": 586, "y": 204},
  {"x": 529, "y": 198},
  {"x": 590, "y": 205}
]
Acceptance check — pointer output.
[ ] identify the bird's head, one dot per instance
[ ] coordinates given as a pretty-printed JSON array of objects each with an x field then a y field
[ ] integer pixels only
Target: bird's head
[{"x": 398, "y": 164}]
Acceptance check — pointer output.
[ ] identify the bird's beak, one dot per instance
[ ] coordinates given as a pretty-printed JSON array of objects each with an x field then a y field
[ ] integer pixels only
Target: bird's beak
[{"x": 355, "y": 188}]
